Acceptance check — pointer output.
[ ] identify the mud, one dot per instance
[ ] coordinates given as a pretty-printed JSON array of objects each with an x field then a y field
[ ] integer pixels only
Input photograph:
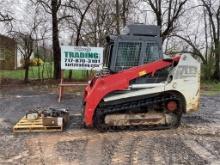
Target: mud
[{"x": 196, "y": 141}]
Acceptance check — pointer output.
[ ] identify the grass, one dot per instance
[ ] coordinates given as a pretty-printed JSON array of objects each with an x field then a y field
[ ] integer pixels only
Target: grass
[
  {"x": 207, "y": 87},
  {"x": 35, "y": 70},
  {"x": 210, "y": 85},
  {"x": 210, "y": 88}
]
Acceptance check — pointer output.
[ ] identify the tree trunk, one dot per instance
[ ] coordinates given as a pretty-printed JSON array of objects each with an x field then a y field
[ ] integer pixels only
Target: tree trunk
[
  {"x": 216, "y": 74},
  {"x": 70, "y": 71},
  {"x": 38, "y": 62},
  {"x": 117, "y": 17},
  {"x": 124, "y": 13},
  {"x": 80, "y": 27},
  {"x": 77, "y": 40},
  {"x": 26, "y": 75},
  {"x": 96, "y": 26},
  {"x": 55, "y": 38},
  {"x": 77, "y": 44},
  {"x": 70, "y": 74},
  {"x": 206, "y": 36},
  {"x": 44, "y": 55}
]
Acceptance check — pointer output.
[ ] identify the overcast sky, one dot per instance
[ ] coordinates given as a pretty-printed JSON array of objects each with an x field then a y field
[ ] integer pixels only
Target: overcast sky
[{"x": 143, "y": 15}]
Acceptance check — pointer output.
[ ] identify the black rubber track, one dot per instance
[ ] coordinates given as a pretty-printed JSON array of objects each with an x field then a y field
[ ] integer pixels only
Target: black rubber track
[{"x": 103, "y": 110}]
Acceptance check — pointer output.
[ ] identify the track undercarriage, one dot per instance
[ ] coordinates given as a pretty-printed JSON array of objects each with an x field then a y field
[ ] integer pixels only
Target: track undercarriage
[{"x": 149, "y": 112}]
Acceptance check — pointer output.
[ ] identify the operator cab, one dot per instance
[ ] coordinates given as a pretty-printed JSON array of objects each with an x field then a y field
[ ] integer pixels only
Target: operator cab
[{"x": 137, "y": 45}]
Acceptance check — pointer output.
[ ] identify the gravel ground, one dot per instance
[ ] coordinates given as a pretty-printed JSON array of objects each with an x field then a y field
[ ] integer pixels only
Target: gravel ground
[{"x": 196, "y": 141}]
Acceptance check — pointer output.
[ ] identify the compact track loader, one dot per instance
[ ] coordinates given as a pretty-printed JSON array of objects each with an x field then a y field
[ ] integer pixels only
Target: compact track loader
[{"x": 138, "y": 86}]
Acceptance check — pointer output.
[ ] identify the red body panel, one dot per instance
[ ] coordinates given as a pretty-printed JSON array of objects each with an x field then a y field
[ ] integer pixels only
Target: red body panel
[{"x": 101, "y": 86}]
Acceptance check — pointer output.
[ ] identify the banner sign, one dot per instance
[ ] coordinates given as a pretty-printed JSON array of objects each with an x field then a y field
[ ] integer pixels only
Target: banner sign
[{"x": 81, "y": 58}]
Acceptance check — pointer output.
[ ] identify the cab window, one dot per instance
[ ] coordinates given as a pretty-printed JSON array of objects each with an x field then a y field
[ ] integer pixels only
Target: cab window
[
  {"x": 128, "y": 55},
  {"x": 152, "y": 52}
]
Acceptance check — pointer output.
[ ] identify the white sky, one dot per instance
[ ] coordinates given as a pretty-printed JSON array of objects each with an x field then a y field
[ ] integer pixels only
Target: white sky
[{"x": 19, "y": 13}]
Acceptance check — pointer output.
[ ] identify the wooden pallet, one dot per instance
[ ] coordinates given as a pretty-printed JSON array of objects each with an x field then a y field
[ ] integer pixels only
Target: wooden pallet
[{"x": 25, "y": 125}]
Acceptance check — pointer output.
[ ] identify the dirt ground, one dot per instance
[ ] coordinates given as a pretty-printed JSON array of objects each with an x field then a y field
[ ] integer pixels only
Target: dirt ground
[{"x": 196, "y": 141}]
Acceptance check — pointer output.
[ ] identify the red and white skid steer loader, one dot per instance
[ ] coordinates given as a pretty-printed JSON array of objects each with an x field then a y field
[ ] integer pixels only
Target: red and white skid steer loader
[{"x": 138, "y": 86}]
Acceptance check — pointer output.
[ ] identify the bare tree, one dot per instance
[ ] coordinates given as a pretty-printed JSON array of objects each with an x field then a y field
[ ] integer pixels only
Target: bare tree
[
  {"x": 167, "y": 14},
  {"x": 99, "y": 23},
  {"x": 104, "y": 19},
  {"x": 196, "y": 50},
  {"x": 206, "y": 34},
  {"x": 26, "y": 47},
  {"x": 24, "y": 34},
  {"x": 5, "y": 17},
  {"x": 80, "y": 9},
  {"x": 117, "y": 16},
  {"x": 53, "y": 7},
  {"x": 213, "y": 11},
  {"x": 5, "y": 13},
  {"x": 125, "y": 11},
  {"x": 41, "y": 34},
  {"x": 122, "y": 9}
]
